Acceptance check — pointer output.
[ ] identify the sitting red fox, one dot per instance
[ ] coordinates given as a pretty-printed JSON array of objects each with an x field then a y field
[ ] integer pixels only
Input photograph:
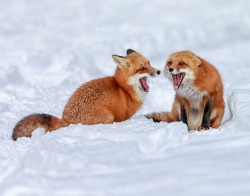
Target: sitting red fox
[
  {"x": 199, "y": 92},
  {"x": 104, "y": 100}
]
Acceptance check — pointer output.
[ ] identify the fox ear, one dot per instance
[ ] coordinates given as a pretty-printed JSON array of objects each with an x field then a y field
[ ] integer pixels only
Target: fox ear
[
  {"x": 120, "y": 61},
  {"x": 197, "y": 61},
  {"x": 129, "y": 51}
]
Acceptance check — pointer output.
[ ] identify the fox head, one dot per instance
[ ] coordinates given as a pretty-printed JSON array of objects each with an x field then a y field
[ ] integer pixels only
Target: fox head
[
  {"x": 135, "y": 69},
  {"x": 182, "y": 67}
]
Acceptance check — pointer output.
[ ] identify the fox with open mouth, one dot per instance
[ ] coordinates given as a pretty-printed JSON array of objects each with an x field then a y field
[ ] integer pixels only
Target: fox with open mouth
[
  {"x": 199, "y": 92},
  {"x": 104, "y": 100}
]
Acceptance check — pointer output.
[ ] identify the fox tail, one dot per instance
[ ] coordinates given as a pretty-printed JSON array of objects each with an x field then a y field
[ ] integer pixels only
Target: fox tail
[{"x": 28, "y": 124}]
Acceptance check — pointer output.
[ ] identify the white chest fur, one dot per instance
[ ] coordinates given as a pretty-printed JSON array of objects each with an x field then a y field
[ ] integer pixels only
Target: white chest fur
[
  {"x": 194, "y": 97},
  {"x": 188, "y": 91}
]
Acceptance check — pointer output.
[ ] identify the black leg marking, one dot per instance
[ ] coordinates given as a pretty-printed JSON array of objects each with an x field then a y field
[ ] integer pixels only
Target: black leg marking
[
  {"x": 183, "y": 114},
  {"x": 206, "y": 115}
]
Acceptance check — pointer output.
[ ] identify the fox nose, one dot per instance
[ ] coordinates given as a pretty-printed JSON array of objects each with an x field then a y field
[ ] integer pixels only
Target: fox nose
[
  {"x": 158, "y": 72},
  {"x": 171, "y": 69}
]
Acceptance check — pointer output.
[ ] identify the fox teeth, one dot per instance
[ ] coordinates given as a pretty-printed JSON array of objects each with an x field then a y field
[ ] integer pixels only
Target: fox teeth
[{"x": 177, "y": 79}]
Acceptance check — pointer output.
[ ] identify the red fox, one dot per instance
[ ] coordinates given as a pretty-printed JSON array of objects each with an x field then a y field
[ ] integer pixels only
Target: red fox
[
  {"x": 104, "y": 100},
  {"x": 199, "y": 92}
]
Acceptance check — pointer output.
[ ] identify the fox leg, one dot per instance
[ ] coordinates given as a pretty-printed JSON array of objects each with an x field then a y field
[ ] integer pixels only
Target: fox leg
[
  {"x": 108, "y": 119},
  {"x": 183, "y": 114},
  {"x": 216, "y": 122},
  {"x": 102, "y": 117},
  {"x": 157, "y": 117},
  {"x": 217, "y": 114},
  {"x": 166, "y": 116},
  {"x": 206, "y": 117}
]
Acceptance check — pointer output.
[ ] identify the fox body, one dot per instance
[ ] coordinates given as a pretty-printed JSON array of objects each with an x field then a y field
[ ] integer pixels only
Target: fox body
[
  {"x": 199, "y": 92},
  {"x": 104, "y": 100}
]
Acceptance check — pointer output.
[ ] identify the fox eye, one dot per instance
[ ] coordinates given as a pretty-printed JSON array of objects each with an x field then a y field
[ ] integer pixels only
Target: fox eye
[
  {"x": 182, "y": 63},
  {"x": 169, "y": 63},
  {"x": 142, "y": 69}
]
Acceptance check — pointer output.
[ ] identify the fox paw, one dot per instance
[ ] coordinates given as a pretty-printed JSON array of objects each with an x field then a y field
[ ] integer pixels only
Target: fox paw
[
  {"x": 156, "y": 121},
  {"x": 203, "y": 127},
  {"x": 151, "y": 116}
]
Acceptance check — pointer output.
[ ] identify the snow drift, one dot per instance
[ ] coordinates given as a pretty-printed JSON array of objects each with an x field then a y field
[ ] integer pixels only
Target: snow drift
[{"x": 49, "y": 48}]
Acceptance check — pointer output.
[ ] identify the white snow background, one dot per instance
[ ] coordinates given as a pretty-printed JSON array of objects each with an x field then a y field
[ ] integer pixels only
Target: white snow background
[{"x": 48, "y": 48}]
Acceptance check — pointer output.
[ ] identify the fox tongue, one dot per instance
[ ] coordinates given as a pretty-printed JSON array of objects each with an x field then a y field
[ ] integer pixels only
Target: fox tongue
[
  {"x": 144, "y": 84},
  {"x": 177, "y": 78}
]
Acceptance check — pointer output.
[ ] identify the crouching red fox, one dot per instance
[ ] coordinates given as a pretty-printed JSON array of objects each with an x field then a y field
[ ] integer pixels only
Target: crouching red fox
[
  {"x": 199, "y": 92},
  {"x": 104, "y": 100}
]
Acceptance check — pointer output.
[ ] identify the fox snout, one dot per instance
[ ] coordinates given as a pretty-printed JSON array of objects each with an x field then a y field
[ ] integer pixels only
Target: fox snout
[{"x": 156, "y": 72}]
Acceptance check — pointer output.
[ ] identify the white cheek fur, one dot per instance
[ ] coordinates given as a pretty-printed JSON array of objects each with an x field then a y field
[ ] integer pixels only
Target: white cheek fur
[
  {"x": 188, "y": 74},
  {"x": 134, "y": 81}
]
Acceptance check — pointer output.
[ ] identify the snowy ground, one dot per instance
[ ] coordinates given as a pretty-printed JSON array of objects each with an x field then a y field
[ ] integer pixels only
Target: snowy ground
[{"x": 49, "y": 48}]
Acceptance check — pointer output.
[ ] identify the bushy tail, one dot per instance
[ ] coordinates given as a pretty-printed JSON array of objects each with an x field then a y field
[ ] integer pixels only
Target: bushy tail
[{"x": 28, "y": 124}]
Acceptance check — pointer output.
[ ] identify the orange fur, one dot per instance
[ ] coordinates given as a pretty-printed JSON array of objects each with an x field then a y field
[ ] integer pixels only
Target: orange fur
[
  {"x": 199, "y": 94},
  {"x": 104, "y": 100}
]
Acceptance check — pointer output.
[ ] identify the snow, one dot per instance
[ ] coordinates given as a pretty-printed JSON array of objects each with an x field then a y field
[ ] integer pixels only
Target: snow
[{"x": 49, "y": 48}]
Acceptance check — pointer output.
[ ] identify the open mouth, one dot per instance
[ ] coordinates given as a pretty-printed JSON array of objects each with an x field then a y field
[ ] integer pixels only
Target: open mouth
[
  {"x": 144, "y": 84},
  {"x": 177, "y": 79}
]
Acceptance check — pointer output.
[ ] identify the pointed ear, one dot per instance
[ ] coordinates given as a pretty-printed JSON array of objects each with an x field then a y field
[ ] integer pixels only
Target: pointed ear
[
  {"x": 197, "y": 61},
  {"x": 129, "y": 51},
  {"x": 120, "y": 61}
]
